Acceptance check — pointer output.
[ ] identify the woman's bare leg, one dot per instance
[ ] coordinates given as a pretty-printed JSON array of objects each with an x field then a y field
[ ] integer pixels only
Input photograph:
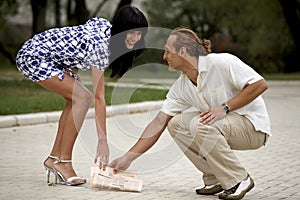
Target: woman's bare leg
[
  {"x": 61, "y": 124},
  {"x": 78, "y": 101},
  {"x": 57, "y": 143}
]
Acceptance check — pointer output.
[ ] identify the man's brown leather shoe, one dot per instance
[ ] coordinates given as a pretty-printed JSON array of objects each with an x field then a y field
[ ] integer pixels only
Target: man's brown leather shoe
[
  {"x": 238, "y": 191},
  {"x": 210, "y": 189}
]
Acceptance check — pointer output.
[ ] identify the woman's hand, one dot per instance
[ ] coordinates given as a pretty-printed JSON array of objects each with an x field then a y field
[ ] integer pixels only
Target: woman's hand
[
  {"x": 102, "y": 154},
  {"x": 212, "y": 114}
]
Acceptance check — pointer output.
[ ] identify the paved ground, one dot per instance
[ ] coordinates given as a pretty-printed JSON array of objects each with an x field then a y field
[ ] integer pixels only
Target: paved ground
[{"x": 165, "y": 172}]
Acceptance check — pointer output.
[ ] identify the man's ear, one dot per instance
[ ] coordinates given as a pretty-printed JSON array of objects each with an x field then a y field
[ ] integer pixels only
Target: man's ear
[{"x": 182, "y": 51}]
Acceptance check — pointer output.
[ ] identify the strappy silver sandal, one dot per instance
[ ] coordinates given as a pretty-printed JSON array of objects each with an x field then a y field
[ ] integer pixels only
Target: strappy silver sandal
[
  {"x": 69, "y": 181},
  {"x": 49, "y": 169}
]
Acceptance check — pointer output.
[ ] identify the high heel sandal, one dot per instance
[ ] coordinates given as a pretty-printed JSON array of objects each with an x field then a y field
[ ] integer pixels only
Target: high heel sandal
[
  {"x": 49, "y": 169},
  {"x": 69, "y": 181}
]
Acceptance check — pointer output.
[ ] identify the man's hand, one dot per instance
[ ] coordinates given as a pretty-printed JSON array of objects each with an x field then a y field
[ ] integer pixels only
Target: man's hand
[
  {"x": 121, "y": 163},
  {"x": 212, "y": 114},
  {"x": 149, "y": 137}
]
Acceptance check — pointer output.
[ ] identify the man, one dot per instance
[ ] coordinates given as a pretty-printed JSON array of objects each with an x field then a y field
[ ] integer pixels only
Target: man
[{"x": 230, "y": 114}]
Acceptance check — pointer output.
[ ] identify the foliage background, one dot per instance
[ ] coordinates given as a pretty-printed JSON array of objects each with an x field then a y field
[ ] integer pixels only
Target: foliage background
[{"x": 255, "y": 31}]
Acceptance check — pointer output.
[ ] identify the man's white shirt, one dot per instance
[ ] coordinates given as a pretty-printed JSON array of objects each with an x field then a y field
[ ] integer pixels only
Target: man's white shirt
[{"x": 221, "y": 77}]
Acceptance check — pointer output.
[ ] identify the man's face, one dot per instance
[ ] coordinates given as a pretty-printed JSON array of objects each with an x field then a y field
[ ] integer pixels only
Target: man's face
[{"x": 170, "y": 55}]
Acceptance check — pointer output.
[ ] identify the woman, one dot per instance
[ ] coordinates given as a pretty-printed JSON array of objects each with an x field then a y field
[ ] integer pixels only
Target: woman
[{"x": 48, "y": 59}]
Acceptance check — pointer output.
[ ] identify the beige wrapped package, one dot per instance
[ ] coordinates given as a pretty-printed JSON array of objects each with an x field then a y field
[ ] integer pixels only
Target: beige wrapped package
[{"x": 123, "y": 180}]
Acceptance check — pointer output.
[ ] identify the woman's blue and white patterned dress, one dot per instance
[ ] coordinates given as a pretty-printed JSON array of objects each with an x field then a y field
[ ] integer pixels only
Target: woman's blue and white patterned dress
[{"x": 58, "y": 50}]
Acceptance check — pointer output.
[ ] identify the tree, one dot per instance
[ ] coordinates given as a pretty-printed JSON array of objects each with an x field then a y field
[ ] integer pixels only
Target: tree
[
  {"x": 79, "y": 15},
  {"x": 100, "y": 5},
  {"x": 7, "y": 8},
  {"x": 57, "y": 13},
  {"x": 249, "y": 25},
  {"x": 38, "y": 15},
  {"x": 121, "y": 4},
  {"x": 81, "y": 11},
  {"x": 291, "y": 11}
]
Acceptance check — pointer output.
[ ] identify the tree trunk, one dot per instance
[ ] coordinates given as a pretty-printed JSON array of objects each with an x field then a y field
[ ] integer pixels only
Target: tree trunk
[
  {"x": 78, "y": 16},
  {"x": 123, "y": 3},
  {"x": 69, "y": 12},
  {"x": 81, "y": 12},
  {"x": 38, "y": 15},
  {"x": 57, "y": 13},
  {"x": 291, "y": 8},
  {"x": 100, "y": 5},
  {"x": 7, "y": 54}
]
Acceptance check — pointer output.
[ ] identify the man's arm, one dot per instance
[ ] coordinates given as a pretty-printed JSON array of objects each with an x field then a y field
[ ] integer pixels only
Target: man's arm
[
  {"x": 148, "y": 138},
  {"x": 246, "y": 95}
]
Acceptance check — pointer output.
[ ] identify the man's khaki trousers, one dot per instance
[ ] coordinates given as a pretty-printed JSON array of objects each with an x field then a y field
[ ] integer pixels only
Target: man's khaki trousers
[{"x": 210, "y": 147}]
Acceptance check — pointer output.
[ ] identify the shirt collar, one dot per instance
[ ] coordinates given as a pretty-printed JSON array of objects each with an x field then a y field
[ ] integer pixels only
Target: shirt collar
[{"x": 202, "y": 64}]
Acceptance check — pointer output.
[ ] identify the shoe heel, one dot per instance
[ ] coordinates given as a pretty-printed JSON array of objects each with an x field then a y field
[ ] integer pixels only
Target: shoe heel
[
  {"x": 55, "y": 174},
  {"x": 49, "y": 169},
  {"x": 59, "y": 178},
  {"x": 48, "y": 172},
  {"x": 62, "y": 180},
  {"x": 48, "y": 175}
]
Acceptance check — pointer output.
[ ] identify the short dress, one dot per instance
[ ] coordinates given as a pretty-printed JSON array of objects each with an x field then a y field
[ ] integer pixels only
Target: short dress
[{"x": 58, "y": 50}]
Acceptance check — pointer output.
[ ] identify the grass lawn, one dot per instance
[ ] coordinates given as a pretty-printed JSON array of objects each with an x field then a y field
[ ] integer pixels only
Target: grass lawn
[
  {"x": 19, "y": 96},
  {"x": 22, "y": 96},
  {"x": 282, "y": 77}
]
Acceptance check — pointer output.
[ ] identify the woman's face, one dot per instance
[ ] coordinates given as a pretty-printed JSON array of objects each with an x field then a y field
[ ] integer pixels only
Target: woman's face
[{"x": 132, "y": 37}]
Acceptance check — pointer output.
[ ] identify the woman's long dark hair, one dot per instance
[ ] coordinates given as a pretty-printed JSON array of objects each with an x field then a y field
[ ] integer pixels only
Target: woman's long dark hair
[{"x": 121, "y": 59}]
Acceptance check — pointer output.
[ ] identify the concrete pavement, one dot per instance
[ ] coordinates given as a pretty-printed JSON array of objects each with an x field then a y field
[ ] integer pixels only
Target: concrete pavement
[{"x": 166, "y": 173}]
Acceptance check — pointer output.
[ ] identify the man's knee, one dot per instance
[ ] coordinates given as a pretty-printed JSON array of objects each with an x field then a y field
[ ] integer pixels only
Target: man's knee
[{"x": 173, "y": 125}]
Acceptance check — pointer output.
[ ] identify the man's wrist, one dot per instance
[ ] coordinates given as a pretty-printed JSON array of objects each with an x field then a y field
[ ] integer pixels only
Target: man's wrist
[
  {"x": 131, "y": 156},
  {"x": 226, "y": 107}
]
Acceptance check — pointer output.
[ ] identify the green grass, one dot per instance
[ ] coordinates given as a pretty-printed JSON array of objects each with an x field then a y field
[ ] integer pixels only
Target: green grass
[
  {"x": 282, "y": 76},
  {"x": 19, "y": 96},
  {"x": 22, "y": 96}
]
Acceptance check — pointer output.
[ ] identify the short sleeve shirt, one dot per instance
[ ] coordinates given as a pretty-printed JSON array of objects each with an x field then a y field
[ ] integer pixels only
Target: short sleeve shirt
[
  {"x": 221, "y": 77},
  {"x": 80, "y": 46}
]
